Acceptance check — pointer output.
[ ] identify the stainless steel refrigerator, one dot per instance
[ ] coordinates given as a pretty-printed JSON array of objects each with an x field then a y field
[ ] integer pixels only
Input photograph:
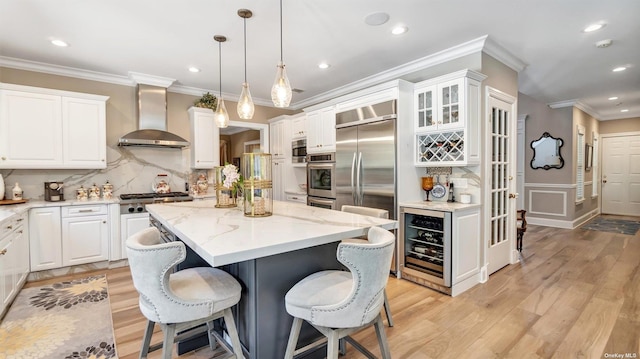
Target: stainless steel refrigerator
[{"x": 366, "y": 157}]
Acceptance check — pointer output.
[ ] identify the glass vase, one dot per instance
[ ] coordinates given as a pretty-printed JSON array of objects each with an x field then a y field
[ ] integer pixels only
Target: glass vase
[
  {"x": 258, "y": 188},
  {"x": 224, "y": 195}
]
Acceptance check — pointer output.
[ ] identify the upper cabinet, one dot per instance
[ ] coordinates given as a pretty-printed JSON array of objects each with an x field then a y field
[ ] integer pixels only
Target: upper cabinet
[
  {"x": 321, "y": 134},
  {"x": 205, "y": 138},
  {"x": 447, "y": 120},
  {"x": 299, "y": 126},
  {"x": 280, "y": 137},
  {"x": 47, "y": 129}
]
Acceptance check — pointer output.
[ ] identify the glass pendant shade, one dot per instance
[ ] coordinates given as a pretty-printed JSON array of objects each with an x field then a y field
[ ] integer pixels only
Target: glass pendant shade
[
  {"x": 245, "y": 104},
  {"x": 221, "y": 115},
  {"x": 281, "y": 90}
]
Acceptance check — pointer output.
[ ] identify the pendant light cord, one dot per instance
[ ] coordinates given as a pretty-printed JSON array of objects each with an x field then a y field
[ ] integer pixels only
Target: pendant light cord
[
  {"x": 220, "y": 67},
  {"x": 281, "y": 57},
  {"x": 245, "y": 50}
]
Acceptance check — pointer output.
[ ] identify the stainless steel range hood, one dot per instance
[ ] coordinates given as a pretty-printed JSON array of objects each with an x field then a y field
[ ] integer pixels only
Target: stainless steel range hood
[{"x": 152, "y": 121}]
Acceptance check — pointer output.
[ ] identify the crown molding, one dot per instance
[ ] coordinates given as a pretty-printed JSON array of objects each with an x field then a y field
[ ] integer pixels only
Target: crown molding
[
  {"x": 146, "y": 79},
  {"x": 501, "y": 54},
  {"x": 464, "y": 49},
  {"x": 577, "y": 104},
  {"x": 195, "y": 91}
]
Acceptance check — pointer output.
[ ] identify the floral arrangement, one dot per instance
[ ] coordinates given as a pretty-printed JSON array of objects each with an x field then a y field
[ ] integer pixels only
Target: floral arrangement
[
  {"x": 207, "y": 101},
  {"x": 232, "y": 179}
]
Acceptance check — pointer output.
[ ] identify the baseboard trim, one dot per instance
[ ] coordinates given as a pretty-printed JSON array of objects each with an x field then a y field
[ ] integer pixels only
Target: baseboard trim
[{"x": 556, "y": 223}]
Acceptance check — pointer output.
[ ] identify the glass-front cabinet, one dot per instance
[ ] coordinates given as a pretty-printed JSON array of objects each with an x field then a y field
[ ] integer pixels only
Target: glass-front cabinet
[{"x": 446, "y": 117}]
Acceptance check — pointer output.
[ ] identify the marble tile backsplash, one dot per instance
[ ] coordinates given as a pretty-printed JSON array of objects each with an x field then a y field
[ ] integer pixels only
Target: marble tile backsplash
[{"x": 129, "y": 169}]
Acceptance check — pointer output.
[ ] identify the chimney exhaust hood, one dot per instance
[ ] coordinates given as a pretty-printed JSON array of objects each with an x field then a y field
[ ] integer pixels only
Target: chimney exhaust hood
[{"x": 151, "y": 99}]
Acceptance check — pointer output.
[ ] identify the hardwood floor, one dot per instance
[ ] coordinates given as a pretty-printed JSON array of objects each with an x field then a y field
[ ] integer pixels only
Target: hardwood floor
[{"x": 575, "y": 294}]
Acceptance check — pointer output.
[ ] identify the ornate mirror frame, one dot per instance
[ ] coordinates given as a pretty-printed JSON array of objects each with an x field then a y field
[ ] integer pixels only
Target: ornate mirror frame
[{"x": 546, "y": 152}]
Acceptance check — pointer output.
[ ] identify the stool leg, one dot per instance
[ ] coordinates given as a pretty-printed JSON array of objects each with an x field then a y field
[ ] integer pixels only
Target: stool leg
[
  {"x": 146, "y": 341},
  {"x": 212, "y": 338},
  {"x": 332, "y": 345},
  {"x": 387, "y": 309},
  {"x": 233, "y": 333},
  {"x": 167, "y": 343},
  {"x": 293, "y": 338},
  {"x": 382, "y": 338}
]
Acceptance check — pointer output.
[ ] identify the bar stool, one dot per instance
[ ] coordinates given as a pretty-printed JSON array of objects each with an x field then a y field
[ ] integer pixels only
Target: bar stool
[
  {"x": 338, "y": 303},
  {"x": 521, "y": 227},
  {"x": 380, "y": 213},
  {"x": 182, "y": 300}
]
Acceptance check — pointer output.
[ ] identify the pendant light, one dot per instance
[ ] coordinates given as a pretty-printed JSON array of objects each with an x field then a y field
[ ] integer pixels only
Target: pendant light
[
  {"x": 245, "y": 104},
  {"x": 221, "y": 116},
  {"x": 281, "y": 90}
]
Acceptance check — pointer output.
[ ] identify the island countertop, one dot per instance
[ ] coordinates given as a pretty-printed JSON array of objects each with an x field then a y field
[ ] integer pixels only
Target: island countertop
[{"x": 224, "y": 236}]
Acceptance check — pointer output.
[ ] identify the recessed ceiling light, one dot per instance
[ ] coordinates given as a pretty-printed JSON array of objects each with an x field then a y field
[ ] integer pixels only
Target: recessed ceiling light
[
  {"x": 59, "y": 43},
  {"x": 618, "y": 69},
  {"x": 593, "y": 27},
  {"x": 625, "y": 110},
  {"x": 194, "y": 69},
  {"x": 399, "y": 30},
  {"x": 324, "y": 65},
  {"x": 377, "y": 18},
  {"x": 613, "y": 98}
]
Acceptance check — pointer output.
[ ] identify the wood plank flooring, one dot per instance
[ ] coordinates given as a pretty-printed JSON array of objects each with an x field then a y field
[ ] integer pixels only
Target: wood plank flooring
[{"x": 575, "y": 294}]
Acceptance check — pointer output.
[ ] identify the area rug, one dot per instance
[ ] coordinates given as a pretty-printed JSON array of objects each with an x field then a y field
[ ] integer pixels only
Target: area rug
[
  {"x": 613, "y": 226},
  {"x": 66, "y": 320}
]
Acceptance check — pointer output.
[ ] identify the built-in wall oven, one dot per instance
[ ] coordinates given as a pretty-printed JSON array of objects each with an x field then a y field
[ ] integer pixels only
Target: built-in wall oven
[
  {"x": 425, "y": 247},
  {"x": 321, "y": 180}
]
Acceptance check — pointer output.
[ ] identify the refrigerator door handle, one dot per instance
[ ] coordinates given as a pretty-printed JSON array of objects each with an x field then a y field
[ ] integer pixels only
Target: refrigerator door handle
[
  {"x": 353, "y": 169},
  {"x": 359, "y": 185}
]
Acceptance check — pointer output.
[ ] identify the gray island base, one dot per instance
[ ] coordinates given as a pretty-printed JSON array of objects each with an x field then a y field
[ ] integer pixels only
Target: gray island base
[{"x": 267, "y": 255}]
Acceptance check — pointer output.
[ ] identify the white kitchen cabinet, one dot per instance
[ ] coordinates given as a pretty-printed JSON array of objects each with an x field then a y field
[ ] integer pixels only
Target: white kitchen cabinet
[
  {"x": 67, "y": 236},
  {"x": 465, "y": 246},
  {"x": 51, "y": 129},
  {"x": 278, "y": 177},
  {"x": 280, "y": 137},
  {"x": 321, "y": 134},
  {"x": 205, "y": 139},
  {"x": 298, "y": 198},
  {"x": 85, "y": 238},
  {"x": 14, "y": 258},
  {"x": 298, "y": 126},
  {"x": 131, "y": 224},
  {"x": 45, "y": 238},
  {"x": 447, "y": 120}
]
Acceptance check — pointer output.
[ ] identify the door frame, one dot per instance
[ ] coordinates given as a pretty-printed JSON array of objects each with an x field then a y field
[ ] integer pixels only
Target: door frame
[
  {"x": 601, "y": 141},
  {"x": 491, "y": 92}
]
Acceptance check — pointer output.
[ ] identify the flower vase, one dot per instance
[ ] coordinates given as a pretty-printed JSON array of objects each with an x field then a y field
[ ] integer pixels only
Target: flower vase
[
  {"x": 224, "y": 194},
  {"x": 258, "y": 189}
]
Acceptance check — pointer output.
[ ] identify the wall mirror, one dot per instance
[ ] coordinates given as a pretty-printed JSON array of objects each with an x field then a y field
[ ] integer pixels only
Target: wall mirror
[{"x": 546, "y": 152}]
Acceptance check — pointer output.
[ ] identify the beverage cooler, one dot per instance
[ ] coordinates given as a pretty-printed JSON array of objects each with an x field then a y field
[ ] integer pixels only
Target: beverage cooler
[{"x": 425, "y": 247}]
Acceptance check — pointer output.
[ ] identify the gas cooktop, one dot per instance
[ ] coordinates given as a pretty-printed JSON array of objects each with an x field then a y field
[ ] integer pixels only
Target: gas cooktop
[{"x": 152, "y": 195}]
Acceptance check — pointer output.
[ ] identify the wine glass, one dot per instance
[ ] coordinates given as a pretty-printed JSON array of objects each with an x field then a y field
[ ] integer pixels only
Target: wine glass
[{"x": 427, "y": 185}]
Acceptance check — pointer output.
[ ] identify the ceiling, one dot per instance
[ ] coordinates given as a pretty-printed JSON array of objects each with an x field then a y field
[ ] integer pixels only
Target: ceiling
[{"x": 109, "y": 39}]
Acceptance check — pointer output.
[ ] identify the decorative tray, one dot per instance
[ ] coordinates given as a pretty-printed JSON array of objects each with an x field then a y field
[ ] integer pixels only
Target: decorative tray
[{"x": 12, "y": 201}]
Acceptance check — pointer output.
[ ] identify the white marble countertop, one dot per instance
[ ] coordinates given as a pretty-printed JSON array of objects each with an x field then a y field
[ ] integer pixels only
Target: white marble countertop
[
  {"x": 224, "y": 235},
  {"x": 440, "y": 205}
]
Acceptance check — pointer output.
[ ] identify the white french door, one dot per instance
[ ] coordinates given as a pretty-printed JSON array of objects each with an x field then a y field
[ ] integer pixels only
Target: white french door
[
  {"x": 621, "y": 175},
  {"x": 500, "y": 204}
]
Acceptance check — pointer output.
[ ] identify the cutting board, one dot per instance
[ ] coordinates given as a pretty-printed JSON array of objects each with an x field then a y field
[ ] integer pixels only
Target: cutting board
[{"x": 12, "y": 201}]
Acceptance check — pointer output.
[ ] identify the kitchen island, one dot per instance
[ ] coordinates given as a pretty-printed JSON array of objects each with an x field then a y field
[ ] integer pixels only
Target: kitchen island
[{"x": 268, "y": 255}]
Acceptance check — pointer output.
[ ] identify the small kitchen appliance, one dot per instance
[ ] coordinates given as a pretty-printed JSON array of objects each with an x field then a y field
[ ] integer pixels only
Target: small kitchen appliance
[{"x": 53, "y": 191}]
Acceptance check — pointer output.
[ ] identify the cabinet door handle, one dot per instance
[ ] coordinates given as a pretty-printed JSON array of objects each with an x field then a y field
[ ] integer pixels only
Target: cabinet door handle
[
  {"x": 9, "y": 227},
  {"x": 105, "y": 222},
  {"x": 20, "y": 219},
  {"x": 3, "y": 252},
  {"x": 20, "y": 231},
  {"x": 85, "y": 210},
  {"x": 4, "y": 158}
]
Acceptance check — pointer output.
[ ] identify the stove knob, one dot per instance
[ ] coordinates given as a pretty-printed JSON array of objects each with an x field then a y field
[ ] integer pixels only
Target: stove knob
[
  {"x": 131, "y": 209},
  {"x": 139, "y": 208}
]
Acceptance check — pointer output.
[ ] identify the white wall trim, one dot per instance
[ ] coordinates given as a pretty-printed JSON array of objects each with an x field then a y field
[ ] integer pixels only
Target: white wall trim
[
  {"x": 263, "y": 128},
  {"x": 575, "y": 103},
  {"x": 620, "y": 134},
  {"x": 501, "y": 54},
  {"x": 556, "y": 223},
  {"x": 564, "y": 204},
  {"x": 551, "y": 185}
]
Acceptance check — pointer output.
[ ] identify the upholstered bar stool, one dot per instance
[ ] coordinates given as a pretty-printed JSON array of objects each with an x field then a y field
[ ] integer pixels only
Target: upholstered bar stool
[
  {"x": 380, "y": 213},
  {"x": 182, "y": 300},
  {"x": 338, "y": 303}
]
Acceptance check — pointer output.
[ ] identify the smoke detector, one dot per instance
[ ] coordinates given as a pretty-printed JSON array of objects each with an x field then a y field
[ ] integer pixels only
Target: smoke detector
[{"x": 604, "y": 43}]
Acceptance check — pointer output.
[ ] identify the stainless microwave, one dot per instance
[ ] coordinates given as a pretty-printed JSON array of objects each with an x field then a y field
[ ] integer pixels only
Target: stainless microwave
[{"x": 299, "y": 151}]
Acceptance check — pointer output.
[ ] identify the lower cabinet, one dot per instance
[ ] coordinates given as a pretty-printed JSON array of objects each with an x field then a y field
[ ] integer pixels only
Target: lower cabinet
[
  {"x": 14, "y": 259},
  {"x": 299, "y": 198},
  {"x": 131, "y": 224},
  {"x": 67, "y": 236},
  {"x": 278, "y": 179}
]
